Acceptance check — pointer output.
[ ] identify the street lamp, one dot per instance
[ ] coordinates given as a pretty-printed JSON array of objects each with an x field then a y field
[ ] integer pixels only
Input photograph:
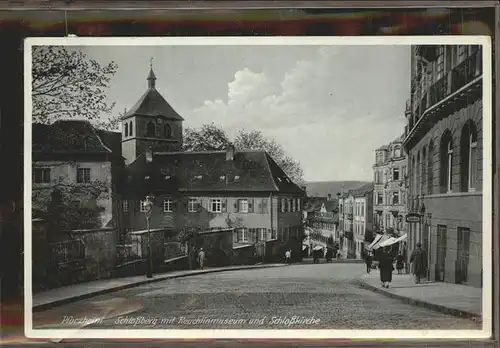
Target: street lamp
[{"x": 148, "y": 207}]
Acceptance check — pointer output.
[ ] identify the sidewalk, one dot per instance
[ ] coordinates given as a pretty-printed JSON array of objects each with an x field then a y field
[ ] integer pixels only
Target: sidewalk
[
  {"x": 455, "y": 299},
  {"x": 59, "y": 296}
]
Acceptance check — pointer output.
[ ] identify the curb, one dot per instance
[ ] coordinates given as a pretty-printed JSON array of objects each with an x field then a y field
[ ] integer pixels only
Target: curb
[
  {"x": 64, "y": 301},
  {"x": 419, "y": 303}
]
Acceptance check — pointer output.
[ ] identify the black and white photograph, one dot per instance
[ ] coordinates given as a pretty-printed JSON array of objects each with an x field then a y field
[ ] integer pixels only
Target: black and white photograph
[{"x": 293, "y": 187}]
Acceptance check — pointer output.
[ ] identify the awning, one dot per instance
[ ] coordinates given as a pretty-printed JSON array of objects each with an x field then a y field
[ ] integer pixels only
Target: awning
[
  {"x": 375, "y": 241},
  {"x": 387, "y": 242},
  {"x": 380, "y": 241},
  {"x": 392, "y": 241}
]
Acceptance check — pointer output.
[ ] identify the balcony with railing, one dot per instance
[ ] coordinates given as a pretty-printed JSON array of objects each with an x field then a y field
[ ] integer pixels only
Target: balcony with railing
[{"x": 455, "y": 86}]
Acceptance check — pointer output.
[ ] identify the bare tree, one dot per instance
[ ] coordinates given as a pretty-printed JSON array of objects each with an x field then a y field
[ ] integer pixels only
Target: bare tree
[{"x": 67, "y": 84}]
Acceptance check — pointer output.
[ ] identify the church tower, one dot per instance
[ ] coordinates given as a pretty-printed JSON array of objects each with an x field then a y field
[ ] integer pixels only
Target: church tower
[{"x": 150, "y": 122}]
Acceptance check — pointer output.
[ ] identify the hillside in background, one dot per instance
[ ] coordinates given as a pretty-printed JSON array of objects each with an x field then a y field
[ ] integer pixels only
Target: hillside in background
[{"x": 323, "y": 188}]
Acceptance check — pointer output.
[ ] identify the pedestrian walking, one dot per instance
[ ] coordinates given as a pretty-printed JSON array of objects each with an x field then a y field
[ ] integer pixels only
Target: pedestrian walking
[
  {"x": 288, "y": 256},
  {"x": 368, "y": 262},
  {"x": 201, "y": 258},
  {"x": 400, "y": 263},
  {"x": 386, "y": 267},
  {"x": 418, "y": 259}
]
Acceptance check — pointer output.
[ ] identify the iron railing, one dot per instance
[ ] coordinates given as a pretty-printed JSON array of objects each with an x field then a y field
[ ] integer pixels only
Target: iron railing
[{"x": 461, "y": 75}]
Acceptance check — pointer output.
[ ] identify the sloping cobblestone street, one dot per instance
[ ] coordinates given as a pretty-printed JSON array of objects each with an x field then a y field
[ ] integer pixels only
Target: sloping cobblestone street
[{"x": 278, "y": 298}]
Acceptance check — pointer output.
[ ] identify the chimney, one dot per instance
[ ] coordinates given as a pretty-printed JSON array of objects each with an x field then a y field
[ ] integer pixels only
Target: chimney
[
  {"x": 230, "y": 153},
  {"x": 304, "y": 188},
  {"x": 329, "y": 196},
  {"x": 149, "y": 154}
]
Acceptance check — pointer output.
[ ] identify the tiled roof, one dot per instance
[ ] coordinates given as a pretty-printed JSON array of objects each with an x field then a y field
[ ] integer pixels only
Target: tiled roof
[
  {"x": 331, "y": 204},
  {"x": 362, "y": 190},
  {"x": 208, "y": 171},
  {"x": 152, "y": 103},
  {"x": 70, "y": 136}
]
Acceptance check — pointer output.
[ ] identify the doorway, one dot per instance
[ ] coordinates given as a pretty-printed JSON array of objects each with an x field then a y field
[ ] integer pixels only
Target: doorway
[
  {"x": 441, "y": 253},
  {"x": 462, "y": 263}
]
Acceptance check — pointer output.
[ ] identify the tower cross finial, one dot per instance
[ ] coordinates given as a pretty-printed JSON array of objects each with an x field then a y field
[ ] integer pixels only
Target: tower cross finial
[{"x": 151, "y": 62}]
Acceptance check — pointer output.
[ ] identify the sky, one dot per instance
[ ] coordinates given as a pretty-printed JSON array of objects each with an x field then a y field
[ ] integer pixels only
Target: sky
[{"x": 330, "y": 107}]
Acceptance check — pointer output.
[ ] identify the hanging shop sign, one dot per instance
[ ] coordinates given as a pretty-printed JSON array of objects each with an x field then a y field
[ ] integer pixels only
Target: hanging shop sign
[{"x": 413, "y": 217}]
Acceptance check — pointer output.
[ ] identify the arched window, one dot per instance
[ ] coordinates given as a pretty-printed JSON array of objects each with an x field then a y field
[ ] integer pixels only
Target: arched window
[
  {"x": 151, "y": 129},
  {"x": 412, "y": 175},
  {"x": 167, "y": 131},
  {"x": 446, "y": 156},
  {"x": 130, "y": 128},
  {"x": 418, "y": 175},
  {"x": 468, "y": 157},
  {"x": 423, "y": 171},
  {"x": 126, "y": 129},
  {"x": 430, "y": 168}
]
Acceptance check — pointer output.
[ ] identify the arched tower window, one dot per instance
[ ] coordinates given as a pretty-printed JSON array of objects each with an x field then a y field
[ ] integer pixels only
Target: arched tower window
[
  {"x": 130, "y": 129},
  {"x": 151, "y": 130},
  {"x": 468, "y": 157},
  {"x": 446, "y": 156},
  {"x": 167, "y": 131},
  {"x": 430, "y": 168},
  {"x": 126, "y": 129}
]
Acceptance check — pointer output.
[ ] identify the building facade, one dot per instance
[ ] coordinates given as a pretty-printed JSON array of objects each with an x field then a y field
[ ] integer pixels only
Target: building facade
[
  {"x": 356, "y": 221},
  {"x": 444, "y": 142},
  {"x": 323, "y": 223},
  {"x": 390, "y": 195},
  {"x": 244, "y": 190},
  {"x": 79, "y": 163}
]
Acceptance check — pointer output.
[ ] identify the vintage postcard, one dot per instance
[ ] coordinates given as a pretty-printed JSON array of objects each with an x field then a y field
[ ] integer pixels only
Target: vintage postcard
[{"x": 258, "y": 187}]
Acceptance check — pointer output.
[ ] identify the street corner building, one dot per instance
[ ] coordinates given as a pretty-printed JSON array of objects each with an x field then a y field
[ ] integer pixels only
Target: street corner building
[
  {"x": 205, "y": 192},
  {"x": 356, "y": 220},
  {"x": 390, "y": 194},
  {"x": 444, "y": 143}
]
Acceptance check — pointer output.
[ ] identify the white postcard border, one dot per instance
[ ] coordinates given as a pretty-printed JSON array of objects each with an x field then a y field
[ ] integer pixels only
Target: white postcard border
[{"x": 487, "y": 314}]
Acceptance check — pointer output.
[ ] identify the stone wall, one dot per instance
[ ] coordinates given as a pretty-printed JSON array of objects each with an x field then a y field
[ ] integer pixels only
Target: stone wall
[{"x": 100, "y": 252}]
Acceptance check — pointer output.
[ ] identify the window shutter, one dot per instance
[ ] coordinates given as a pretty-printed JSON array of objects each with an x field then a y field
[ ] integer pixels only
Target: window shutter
[
  {"x": 260, "y": 206},
  {"x": 250, "y": 205},
  {"x": 240, "y": 232},
  {"x": 235, "y": 235},
  {"x": 279, "y": 205},
  {"x": 255, "y": 234},
  {"x": 236, "y": 203},
  {"x": 199, "y": 206},
  {"x": 224, "y": 205},
  {"x": 174, "y": 205}
]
